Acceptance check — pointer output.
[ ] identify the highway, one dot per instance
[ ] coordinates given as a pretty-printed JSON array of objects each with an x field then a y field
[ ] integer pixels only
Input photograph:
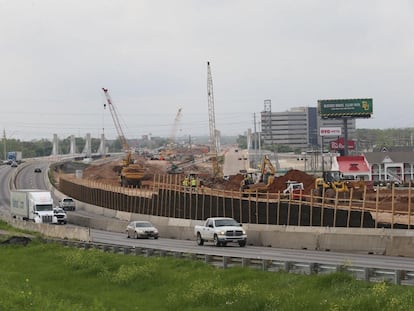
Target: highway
[
  {"x": 6, "y": 172},
  {"x": 28, "y": 179},
  {"x": 332, "y": 258}
]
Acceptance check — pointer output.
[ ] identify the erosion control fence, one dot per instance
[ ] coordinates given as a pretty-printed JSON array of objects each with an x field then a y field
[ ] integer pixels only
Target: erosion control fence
[{"x": 166, "y": 197}]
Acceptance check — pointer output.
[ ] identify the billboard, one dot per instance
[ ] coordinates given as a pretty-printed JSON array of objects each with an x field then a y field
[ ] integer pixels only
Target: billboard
[
  {"x": 337, "y": 108},
  {"x": 330, "y": 131},
  {"x": 340, "y": 144}
]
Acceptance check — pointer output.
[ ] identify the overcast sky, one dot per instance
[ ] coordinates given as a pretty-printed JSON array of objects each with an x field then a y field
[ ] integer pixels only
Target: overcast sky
[{"x": 55, "y": 56}]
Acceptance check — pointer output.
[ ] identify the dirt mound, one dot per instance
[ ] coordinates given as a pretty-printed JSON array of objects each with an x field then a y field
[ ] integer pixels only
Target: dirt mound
[
  {"x": 106, "y": 172},
  {"x": 280, "y": 183}
]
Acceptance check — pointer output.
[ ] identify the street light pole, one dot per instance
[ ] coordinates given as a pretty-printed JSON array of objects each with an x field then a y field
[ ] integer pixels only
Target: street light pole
[
  {"x": 4, "y": 144},
  {"x": 323, "y": 162}
]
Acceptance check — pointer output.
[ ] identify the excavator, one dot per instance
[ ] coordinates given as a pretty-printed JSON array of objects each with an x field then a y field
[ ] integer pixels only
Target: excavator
[
  {"x": 131, "y": 174},
  {"x": 267, "y": 177}
]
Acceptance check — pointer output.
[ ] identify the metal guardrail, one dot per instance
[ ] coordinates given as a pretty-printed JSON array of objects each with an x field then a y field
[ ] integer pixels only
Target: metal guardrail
[{"x": 395, "y": 276}]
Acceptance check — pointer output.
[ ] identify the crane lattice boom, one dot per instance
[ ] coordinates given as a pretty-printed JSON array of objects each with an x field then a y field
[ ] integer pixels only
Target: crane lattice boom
[
  {"x": 115, "y": 118},
  {"x": 212, "y": 122},
  {"x": 175, "y": 127}
]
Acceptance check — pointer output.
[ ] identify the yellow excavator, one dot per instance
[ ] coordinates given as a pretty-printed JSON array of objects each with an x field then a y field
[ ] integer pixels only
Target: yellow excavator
[
  {"x": 131, "y": 174},
  {"x": 267, "y": 177}
]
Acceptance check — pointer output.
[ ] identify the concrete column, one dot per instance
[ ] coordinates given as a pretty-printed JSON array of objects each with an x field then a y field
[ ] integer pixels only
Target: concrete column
[
  {"x": 55, "y": 149},
  {"x": 72, "y": 144}
]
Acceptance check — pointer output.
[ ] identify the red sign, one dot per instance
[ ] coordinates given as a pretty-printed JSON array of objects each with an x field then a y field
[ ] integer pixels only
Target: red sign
[{"x": 340, "y": 144}]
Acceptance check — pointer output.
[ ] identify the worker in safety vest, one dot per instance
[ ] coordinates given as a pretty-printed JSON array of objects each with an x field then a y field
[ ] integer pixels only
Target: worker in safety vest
[
  {"x": 185, "y": 182},
  {"x": 193, "y": 182}
]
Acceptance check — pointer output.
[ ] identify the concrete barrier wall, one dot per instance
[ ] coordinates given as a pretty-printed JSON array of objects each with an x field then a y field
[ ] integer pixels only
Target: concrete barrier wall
[{"x": 56, "y": 231}]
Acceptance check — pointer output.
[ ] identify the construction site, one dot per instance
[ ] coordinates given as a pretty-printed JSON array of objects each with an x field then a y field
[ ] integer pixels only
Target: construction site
[
  {"x": 317, "y": 200},
  {"x": 192, "y": 173}
]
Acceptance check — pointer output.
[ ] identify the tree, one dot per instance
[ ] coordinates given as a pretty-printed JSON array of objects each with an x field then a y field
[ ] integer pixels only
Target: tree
[{"x": 242, "y": 141}]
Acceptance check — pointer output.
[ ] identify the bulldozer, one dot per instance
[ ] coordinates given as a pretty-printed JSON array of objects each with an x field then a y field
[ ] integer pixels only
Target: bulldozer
[{"x": 332, "y": 183}]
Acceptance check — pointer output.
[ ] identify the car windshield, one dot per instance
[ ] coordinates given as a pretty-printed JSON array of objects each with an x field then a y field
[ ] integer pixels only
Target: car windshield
[
  {"x": 67, "y": 200},
  {"x": 226, "y": 222},
  {"x": 143, "y": 224},
  {"x": 44, "y": 207}
]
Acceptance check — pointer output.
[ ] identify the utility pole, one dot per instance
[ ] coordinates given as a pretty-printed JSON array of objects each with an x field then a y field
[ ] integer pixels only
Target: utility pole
[
  {"x": 4, "y": 144},
  {"x": 255, "y": 140}
]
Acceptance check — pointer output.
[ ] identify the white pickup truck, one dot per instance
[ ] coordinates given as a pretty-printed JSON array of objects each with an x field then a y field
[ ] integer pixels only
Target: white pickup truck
[{"x": 220, "y": 230}]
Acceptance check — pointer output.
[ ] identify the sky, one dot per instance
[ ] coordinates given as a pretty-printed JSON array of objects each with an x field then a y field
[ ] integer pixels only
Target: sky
[{"x": 56, "y": 56}]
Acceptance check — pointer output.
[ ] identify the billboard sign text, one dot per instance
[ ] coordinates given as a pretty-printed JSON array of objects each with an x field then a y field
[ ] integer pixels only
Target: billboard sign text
[{"x": 330, "y": 131}]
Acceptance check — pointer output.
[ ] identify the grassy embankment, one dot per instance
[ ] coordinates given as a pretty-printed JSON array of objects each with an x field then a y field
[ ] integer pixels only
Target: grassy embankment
[{"x": 52, "y": 277}]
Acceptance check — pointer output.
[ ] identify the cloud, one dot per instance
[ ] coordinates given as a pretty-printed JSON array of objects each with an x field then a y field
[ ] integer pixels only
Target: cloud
[{"x": 57, "y": 55}]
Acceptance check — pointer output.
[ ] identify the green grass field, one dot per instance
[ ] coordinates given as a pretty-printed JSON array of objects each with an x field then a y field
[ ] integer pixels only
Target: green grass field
[{"x": 53, "y": 277}]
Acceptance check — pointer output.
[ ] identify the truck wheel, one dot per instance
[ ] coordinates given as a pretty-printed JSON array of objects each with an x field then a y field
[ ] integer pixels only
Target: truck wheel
[
  {"x": 216, "y": 241},
  {"x": 242, "y": 243},
  {"x": 200, "y": 241}
]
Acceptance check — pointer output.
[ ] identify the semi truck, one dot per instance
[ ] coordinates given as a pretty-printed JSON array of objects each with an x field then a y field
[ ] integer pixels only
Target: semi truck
[
  {"x": 33, "y": 205},
  {"x": 14, "y": 156}
]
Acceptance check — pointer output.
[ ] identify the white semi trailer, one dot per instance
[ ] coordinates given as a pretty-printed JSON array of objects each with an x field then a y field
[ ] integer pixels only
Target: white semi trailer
[{"x": 32, "y": 204}]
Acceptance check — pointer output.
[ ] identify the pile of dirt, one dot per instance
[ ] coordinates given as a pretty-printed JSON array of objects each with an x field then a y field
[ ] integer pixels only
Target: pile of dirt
[
  {"x": 231, "y": 184},
  {"x": 106, "y": 172},
  {"x": 280, "y": 183}
]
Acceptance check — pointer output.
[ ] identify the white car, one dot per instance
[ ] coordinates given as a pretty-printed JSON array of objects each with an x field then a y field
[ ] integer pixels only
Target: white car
[
  {"x": 141, "y": 229},
  {"x": 60, "y": 215},
  {"x": 67, "y": 204}
]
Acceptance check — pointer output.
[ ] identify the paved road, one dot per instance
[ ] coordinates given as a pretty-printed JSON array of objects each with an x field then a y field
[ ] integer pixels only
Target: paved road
[{"x": 303, "y": 256}]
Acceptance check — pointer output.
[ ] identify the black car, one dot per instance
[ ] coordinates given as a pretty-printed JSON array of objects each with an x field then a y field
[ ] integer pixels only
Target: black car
[{"x": 37, "y": 170}]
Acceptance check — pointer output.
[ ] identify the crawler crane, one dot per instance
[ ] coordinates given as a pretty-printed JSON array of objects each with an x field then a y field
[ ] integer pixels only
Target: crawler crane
[{"x": 131, "y": 173}]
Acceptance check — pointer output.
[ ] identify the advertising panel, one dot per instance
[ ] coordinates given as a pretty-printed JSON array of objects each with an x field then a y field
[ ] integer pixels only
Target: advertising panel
[
  {"x": 330, "y": 131},
  {"x": 337, "y": 108},
  {"x": 340, "y": 144}
]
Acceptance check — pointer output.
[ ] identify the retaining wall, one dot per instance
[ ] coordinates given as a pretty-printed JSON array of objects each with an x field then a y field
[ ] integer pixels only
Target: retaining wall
[{"x": 393, "y": 242}]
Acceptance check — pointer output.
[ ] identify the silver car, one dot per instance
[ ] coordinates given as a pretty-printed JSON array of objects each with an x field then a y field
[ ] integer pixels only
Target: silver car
[{"x": 141, "y": 229}]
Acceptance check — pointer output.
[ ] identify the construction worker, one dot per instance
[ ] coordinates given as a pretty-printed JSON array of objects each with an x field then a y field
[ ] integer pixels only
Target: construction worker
[
  {"x": 193, "y": 182},
  {"x": 185, "y": 182}
]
